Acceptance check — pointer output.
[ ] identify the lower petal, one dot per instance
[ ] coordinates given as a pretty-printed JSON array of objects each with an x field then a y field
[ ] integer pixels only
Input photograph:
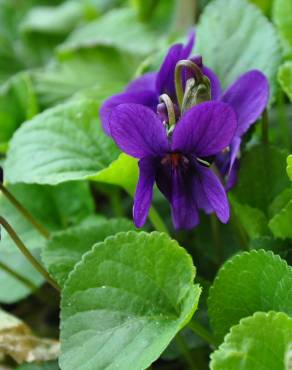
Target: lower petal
[
  {"x": 144, "y": 191},
  {"x": 212, "y": 192}
]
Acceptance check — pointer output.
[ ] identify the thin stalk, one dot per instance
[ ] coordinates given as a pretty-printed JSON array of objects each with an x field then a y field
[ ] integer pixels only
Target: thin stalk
[
  {"x": 202, "y": 332},
  {"x": 180, "y": 341},
  {"x": 40, "y": 228},
  {"x": 265, "y": 127},
  {"x": 284, "y": 126},
  {"x": 29, "y": 284},
  {"x": 217, "y": 241},
  {"x": 115, "y": 199},
  {"x": 157, "y": 221},
  {"x": 239, "y": 231},
  {"x": 21, "y": 246}
]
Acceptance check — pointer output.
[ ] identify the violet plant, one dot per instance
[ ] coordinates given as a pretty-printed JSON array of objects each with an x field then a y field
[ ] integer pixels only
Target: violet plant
[{"x": 146, "y": 200}]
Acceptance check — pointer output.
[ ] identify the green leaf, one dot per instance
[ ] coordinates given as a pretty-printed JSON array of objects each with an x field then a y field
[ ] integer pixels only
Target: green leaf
[
  {"x": 122, "y": 172},
  {"x": 229, "y": 40},
  {"x": 253, "y": 220},
  {"x": 67, "y": 143},
  {"x": 125, "y": 301},
  {"x": 17, "y": 103},
  {"x": 105, "y": 68},
  {"x": 288, "y": 358},
  {"x": 257, "y": 343},
  {"x": 58, "y": 20},
  {"x": 280, "y": 201},
  {"x": 280, "y": 224},
  {"x": 283, "y": 19},
  {"x": 55, "y": 208},
  {"x": 249, "y": 282},
  {"x": 113, "y": 30},
  {"x": 262, "y": 176},
  {"x": 285, "y": 78},
  {"x": 289, "y": 166},
  {"x": 264, "y": 5},
  {"x": 66, "y": 248}
]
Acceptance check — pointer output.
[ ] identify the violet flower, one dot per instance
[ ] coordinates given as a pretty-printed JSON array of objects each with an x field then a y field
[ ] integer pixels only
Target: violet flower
[
  {"x": 248, "y": 96},
  {"x": 175, "y": 161},
  {"x": 147, "y": 89}
]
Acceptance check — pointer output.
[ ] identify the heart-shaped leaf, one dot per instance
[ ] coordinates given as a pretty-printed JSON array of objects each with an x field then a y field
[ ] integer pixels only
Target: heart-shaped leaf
[
  {"x": 259, "y": 342},
  {"x": 249, "y": 282},
  {"x": 125, "y": 301}
]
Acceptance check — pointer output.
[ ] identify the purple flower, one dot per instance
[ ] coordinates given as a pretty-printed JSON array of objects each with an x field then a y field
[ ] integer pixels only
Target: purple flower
[
  {"x": 147, "y": 89},
  {"x": 248, "y": 96},
  {"x": 175, "y": 162}
]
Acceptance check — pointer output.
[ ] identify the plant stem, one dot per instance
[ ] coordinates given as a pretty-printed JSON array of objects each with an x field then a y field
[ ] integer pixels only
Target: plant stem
[
  {"x": 18, "y": 277},
  {"x": 115, "y": 199},
  {"x": 40, "y": 228},
  {"x": 20, "y": 245},
  {"x": 202, "y": 332},
  {"x": 217, "y": 239},
  {"x": 265, "y": 127},
  {"x": 180, "y": 341},
  {"x": 283, "y": 119},
  {"x": 239, "y": 231},
  {"x": 157, "y": 221}
]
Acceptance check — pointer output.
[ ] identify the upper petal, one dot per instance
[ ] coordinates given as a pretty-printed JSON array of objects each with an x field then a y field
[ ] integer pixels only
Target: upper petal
[
  {"x": 147, "y": 98},
  {"x": 205, "y": 129},
  {"x": 213, "y": 193},
  {"x": 248, "y": 96},
  {"x": 142, "y": 83},
  {"x": 165, "y": 77},
  {"x": 144, "y": 190},
  {"x": 138, "y": 131}
]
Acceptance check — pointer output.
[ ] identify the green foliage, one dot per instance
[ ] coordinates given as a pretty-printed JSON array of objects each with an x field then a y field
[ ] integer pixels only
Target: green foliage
[
  {"x": 229, "y": 34},
  {"x": 113, "y": 30},
  {"x": 283, "y": 19},
  {"x": 262, "y": 176},
  {"x": 280, "y": 224},
  {"x": 66, "y": 248},
  {"x": 264, "y": 5},
  {"x": 52, "y": 365},
  {"x": 125, "y": 301},
  {"x": 17, "y": 103},
  {"x": 80, "y": 147},
  {"x": 289, "y": 166},
  {"x": 122, "y": 172},
  {"x": 249, "y": 282},
  {"x": 285, "y": 78},
  {"x": 56, "y": 208},
  {"x": 257, "y": 343}
]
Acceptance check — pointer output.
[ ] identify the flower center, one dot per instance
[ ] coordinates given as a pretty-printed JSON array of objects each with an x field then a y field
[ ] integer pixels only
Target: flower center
[{"x": 175, "y": 160}]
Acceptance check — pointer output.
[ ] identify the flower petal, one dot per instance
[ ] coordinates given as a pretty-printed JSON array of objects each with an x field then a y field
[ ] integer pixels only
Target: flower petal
[
  {"x": 165, "y": 77},
  {"x": 248, "y": 96},
  {"x": 144, "y": 191},
  {"x": 225, "y": 161},
  {"x": 177, "y": 186},
  {"x": 183, "y": 203},
  {"x": 147, "y": 98},
  {"x": 205, "y": 129},
  {"x": 208, "y": 184},
  {"x": 146, "y": 82},
  {"x": 138, "y": 131}
]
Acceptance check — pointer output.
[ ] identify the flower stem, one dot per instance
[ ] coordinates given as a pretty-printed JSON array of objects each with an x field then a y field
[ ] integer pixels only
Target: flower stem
[
  {"x": 217, "y": 239},
  {"x": 202, "y": 332},
  {"x": 20, "y": 245},
  {"x": 283, "y": 119},
  {"x": 181, "y": 343},
  {"x": 265, "y": 127},
  {"x": 157, "y": 221},
  {"x": 40, "y": 228},
  {"x": 18, "y": 277},
  {"x": 185, "y": 15}
]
